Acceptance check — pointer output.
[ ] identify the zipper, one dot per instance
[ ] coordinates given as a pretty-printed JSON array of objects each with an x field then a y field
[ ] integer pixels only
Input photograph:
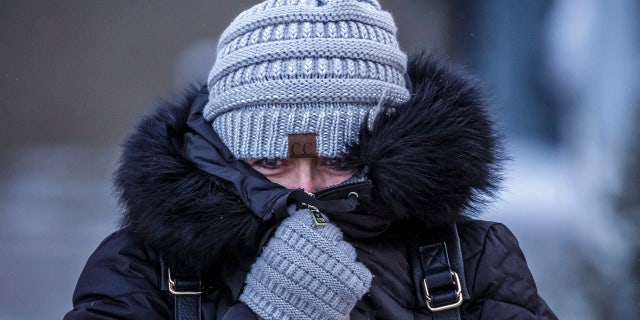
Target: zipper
[
  {"x": 342, "y": 197},
  {"x": 335, "y": 195}
]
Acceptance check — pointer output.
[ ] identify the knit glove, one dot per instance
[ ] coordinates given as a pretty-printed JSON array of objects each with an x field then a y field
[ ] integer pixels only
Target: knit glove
[{"x": 305, "y": 272}]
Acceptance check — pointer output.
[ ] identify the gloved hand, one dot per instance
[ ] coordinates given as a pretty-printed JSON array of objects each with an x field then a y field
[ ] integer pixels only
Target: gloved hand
[{"x": 305, "y": 272}]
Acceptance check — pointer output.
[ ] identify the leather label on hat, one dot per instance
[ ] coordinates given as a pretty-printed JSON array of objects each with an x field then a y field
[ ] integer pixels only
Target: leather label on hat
[{"x": 303, "y": 145}]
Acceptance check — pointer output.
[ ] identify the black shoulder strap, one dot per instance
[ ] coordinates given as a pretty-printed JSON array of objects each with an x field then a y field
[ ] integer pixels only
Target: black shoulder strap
[
  {"x": 187, "y": 289},
  {"x": 439, "y": 275},
  {"x": 186, "y": 292}
]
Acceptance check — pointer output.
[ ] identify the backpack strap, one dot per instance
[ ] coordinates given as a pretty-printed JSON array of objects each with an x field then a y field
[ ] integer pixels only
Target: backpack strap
[
  {"x": 186, "y": 292},
  {"x": 187, "y": 289},
  {"x": 439, "y": 275}
]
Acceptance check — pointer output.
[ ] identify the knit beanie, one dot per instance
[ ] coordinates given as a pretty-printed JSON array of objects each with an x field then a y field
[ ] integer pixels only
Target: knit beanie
[{"x": 317, "y": 69}]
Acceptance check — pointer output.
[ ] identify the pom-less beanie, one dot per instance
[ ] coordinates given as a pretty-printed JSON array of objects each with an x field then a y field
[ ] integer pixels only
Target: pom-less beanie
[{"x": 320, "y": 67}]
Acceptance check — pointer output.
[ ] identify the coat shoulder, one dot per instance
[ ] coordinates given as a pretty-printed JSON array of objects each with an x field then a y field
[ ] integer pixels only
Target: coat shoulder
[
  {"x": 120, "y": 272},
  {"x": 495, "y": 268}
]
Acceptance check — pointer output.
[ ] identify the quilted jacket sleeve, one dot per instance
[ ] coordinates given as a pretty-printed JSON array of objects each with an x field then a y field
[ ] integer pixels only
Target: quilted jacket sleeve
[
  {"x": 499, "y": 280},
  {"x": 118, "y": 282}
]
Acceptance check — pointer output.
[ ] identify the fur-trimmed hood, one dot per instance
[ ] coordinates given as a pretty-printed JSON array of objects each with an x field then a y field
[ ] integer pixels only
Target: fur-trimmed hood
[{"x": 433, "y": 160}]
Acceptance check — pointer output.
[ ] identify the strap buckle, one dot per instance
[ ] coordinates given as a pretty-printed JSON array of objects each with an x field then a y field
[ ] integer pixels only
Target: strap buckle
[
  {"x": 172, "y": 288},
  {"x": 428, "y": 298}
]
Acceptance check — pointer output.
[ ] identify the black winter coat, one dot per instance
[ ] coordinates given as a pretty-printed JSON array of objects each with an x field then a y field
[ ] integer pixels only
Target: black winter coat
[{"x": 192, "y": 208}]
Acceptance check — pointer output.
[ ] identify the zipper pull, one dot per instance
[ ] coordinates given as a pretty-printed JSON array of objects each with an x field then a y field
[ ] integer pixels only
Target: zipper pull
[{"x": 317, "y": 217}]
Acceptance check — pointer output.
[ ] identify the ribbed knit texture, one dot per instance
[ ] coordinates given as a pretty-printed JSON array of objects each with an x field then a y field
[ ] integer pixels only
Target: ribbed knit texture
[
  {"x": 305, "y": 272},
  {"x": 282, "y": 66}
]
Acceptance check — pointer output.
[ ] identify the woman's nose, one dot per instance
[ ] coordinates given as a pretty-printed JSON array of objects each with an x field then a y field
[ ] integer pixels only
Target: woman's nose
[{"x": 305, "y": 177}]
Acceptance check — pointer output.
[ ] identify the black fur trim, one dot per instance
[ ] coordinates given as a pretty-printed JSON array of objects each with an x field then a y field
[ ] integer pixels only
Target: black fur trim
[
  {"x": 196, "y": 219},
  {"x": 434, "y": 159},
  {"x": 437, "y": 157}
]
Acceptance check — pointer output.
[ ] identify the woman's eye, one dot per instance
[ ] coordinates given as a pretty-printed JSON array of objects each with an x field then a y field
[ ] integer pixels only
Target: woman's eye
[
  {"x": 336, "y": 164},
  {"x": 270, "y": 164}
]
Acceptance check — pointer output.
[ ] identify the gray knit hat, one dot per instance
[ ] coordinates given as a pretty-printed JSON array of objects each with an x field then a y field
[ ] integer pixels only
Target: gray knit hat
[{"x": 318, "y": 68}]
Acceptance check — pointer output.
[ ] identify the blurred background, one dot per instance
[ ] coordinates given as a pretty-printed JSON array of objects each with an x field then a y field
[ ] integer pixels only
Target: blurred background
[{"x": 562, "y": 77}]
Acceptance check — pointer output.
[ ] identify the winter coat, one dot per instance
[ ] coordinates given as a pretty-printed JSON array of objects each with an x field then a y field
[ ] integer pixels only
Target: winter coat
[{"x": 195, "y": 210}]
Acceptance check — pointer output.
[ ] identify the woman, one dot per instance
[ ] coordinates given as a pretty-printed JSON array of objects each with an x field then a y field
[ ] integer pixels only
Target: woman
[{"x": 317, "y": 175}]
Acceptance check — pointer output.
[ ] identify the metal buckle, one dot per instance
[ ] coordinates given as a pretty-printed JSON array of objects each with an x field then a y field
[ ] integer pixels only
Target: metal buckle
[
  {"x": 179, "y": 293},
  {"x": 427, "y": 296}
]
